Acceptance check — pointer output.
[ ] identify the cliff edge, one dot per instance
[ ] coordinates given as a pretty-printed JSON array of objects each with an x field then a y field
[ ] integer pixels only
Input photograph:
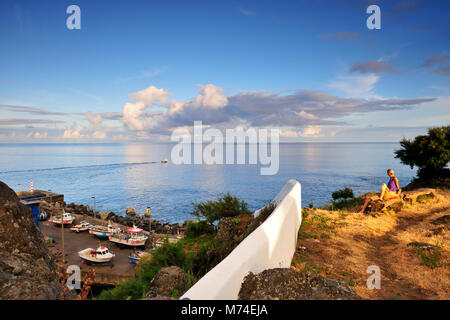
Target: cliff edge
[{"x": 27, "y": 270}]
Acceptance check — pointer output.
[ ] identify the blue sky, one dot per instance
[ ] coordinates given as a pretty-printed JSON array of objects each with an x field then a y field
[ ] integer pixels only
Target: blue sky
[{"x": 140, "y": 69}]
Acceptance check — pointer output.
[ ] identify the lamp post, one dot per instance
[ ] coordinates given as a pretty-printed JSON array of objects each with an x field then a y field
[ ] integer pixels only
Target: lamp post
[{"x": 95, "y": 206}]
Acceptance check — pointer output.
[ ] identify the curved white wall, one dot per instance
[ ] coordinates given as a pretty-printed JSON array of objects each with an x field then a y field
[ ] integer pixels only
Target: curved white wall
[{"x": 271, "y": 245}]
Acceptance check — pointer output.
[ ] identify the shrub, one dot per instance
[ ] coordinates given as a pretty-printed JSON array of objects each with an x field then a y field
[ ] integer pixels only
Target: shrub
[
  {"x": 343, "y": 194},
  {"x": 227, "y": 206},
  {"x": 130, "y": 289},
  {"x": 267, "y": 211},
  {"x": 429, "y": 153},
  {"x": 194, "y": 230}
]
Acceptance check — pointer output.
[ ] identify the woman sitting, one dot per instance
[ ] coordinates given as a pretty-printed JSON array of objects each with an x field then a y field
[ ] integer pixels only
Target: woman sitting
[
  {"x": 392, "y": 189},
  {"x": 389, "y": 191}
]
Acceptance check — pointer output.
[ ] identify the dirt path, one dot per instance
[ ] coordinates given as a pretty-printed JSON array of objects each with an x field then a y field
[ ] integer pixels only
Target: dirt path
[{"x": 382, "y": 254}]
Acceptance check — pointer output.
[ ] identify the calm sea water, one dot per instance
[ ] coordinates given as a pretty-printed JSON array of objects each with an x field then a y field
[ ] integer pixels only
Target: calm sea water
[{"x": 131, "y": 175}]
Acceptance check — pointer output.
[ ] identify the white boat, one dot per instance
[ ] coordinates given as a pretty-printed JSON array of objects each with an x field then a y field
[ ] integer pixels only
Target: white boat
[
  {"x": 101, "y": 255},
  {"x": 67, "y": 219},
  {"x": 133, "y": 237},
  {"x": 103, "y": 231},
  {"x": 82, "y": 226}
]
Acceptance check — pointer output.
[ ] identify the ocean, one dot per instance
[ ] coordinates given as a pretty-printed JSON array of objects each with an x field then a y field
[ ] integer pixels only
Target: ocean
[{"x": 131, "y": 174}]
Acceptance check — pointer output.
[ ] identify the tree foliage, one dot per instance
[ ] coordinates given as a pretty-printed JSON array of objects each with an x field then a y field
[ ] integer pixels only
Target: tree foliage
[
  {"x": 429, "y": 153},
  {"x": 343, "y": 194},
  {"x": 227, "y": 206}
]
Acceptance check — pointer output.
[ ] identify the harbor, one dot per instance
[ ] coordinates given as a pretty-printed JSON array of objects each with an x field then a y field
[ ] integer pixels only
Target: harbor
[
  {"x": 46, "y": 208},
  {"x": 107, "y": 274}
]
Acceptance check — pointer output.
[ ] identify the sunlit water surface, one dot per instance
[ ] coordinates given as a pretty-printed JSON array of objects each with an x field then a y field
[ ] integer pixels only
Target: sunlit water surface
[{"x": 131, "y": 175}]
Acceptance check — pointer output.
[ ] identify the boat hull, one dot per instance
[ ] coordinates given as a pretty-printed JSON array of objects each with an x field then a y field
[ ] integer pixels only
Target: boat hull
[
  {"x": 128, "y": 243},
  {"x": 100, "y": 234},
  {"x": 58, "y": 223},
  {"x": 89, "y": 258}
]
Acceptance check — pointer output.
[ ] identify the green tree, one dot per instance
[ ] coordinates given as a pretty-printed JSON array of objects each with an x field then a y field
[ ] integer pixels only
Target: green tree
[
  {"x": 227, "y": 206},
  {"x": 429, "y": 153},
  {"x": 343, "y": 194}
]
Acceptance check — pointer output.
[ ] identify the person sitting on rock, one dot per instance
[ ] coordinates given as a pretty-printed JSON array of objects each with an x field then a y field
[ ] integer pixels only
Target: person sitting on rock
[
  {"x": 392, "y": 189},
  {"x": 389, "y": 191}
]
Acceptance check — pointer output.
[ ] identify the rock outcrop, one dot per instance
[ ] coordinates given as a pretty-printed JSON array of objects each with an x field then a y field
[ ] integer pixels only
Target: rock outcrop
[
  {"x": 287, "y": 284},
  {"x": 27, "y": 270},
  {"x": 167, "y": 282}
]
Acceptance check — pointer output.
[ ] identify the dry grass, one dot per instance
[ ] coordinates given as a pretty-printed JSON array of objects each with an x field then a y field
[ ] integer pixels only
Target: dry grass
[{"x": 344, "y": 244}]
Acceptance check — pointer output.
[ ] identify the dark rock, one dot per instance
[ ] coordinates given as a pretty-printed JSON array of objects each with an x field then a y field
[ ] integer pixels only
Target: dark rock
[
  {"x": 287, "y": 284},
  {"x": 421, "y": 245},
  {"x": 445, "y": 220},
  {"x": 438, "y": 230},
  {"x": 166, "y": 281},
  {"x": 27, "y": 270}
]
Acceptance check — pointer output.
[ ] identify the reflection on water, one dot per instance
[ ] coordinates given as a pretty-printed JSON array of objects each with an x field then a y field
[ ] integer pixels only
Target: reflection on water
[{"x": 131, "y": 175}]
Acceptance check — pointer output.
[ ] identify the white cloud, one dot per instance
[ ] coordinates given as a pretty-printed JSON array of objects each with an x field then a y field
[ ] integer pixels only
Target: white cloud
[
  {"x": 210, "y": 96},
  {"x": 360, "y": 86},
  {"x": 72, "y": 133},
  {"x": 132, "y": 112},
  {"x": 39, "y": 135},
  {"x": 99, "y": 135},
  {"x": 95, "y": 120}
]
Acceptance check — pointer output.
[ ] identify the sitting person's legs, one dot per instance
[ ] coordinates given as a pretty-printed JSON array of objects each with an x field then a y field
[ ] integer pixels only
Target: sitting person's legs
[{"x": 384, "y": 189}]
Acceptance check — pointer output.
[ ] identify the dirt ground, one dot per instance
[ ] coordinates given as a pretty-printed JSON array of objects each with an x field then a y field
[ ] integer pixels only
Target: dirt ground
[{"x": 342, "y": 244}]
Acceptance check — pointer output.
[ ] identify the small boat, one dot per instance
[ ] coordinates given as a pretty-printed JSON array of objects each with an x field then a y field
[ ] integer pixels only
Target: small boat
[
  {"x": 82, "y": 226},
  {"x": 102, "y": 231},
  {"x": 165, "y": 161},
  {"x": 66, "y": 219},
  {"x": 133, "y": 237},
  {"x": 135, "y": 256},
  {"x": 101, "y": 255}
]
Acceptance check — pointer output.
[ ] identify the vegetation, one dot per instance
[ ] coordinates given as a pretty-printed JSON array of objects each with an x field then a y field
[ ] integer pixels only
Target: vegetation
[
  {"x": 196, "y": 229},
  {"x": 199, "y": 251},
  {"x": 429, "y": 153},
  {"x": 127, "y": 290},
  {"x": 343, "y": 194},
  {"x": 227, "y": 206},
  {"x": 267, "y": 211},
  {"x": 343, "y": 199},
  {"x": 430, "y": 258}
]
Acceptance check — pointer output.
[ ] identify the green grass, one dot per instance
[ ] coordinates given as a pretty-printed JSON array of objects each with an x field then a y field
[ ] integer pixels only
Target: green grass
[
  {"x": 430, "y": 259},
  {"x": 423, "y": 198},
  {"x": 236, "y": 220},
  {"x": 317, "y": 269}
]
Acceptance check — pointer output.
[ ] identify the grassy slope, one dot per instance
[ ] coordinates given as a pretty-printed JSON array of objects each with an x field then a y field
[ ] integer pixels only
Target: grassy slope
[{"x": 342, "y": 244}]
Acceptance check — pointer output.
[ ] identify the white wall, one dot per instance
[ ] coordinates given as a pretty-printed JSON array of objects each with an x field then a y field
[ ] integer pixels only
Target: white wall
[{"x": 271, "y": 245}]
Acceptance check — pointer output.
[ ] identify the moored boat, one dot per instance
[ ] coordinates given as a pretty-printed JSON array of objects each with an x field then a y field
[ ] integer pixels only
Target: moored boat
[
  {"x": 133, "y": 237},
  {"x": 82, "y": 226},
  {"x": 103, "y": 231},
  {"x": 99, "y": 255},
  {"x": 135, "y": 256},
  {"x": 67, "y": 219}
]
